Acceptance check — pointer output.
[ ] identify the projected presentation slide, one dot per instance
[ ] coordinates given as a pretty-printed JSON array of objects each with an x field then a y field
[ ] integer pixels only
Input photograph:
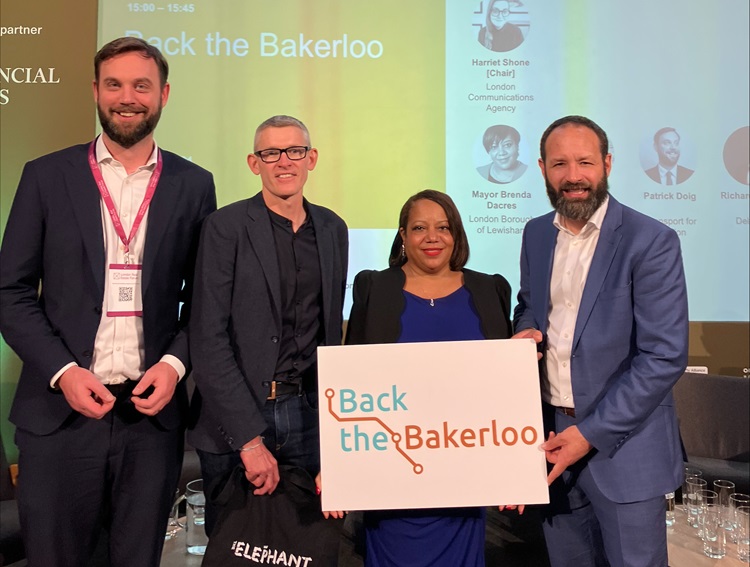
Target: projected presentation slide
[{"x": 404, "y": 95}]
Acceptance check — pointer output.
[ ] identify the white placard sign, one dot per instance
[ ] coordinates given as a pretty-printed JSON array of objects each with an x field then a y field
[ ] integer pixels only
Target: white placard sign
[{"x": 426, "y": 425}]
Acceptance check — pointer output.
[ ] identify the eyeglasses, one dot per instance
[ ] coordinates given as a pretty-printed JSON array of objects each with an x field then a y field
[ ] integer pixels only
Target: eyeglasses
[
  {"x": 272, "y": 155},
  {"x": 497, "y": 12}
]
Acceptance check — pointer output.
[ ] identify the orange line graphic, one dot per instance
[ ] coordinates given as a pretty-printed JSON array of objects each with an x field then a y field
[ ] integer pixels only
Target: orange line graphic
[{"x": 395, "y": 437}]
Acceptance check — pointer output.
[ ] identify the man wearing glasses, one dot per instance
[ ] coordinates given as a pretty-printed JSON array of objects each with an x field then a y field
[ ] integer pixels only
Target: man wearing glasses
[{"x": 269, "y": 289}]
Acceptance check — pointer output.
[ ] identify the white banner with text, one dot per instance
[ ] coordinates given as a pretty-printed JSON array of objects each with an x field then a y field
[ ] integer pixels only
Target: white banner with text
[{"x": 428, "y": 425}]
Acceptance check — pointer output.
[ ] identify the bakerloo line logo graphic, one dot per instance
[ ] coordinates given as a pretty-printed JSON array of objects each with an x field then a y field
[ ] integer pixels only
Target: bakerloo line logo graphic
[{"x": 413, "y": 437}]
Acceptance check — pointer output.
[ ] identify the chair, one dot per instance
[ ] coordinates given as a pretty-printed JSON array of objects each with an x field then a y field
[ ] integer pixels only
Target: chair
[{"x": 714, "y": 416}]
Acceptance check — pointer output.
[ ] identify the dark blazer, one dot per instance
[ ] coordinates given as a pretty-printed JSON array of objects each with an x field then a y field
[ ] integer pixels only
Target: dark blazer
[
  {"x": 236, "y": 324},
  {"x": 54, "y": 236},
  {"x": 379, "y": 302},
  {"x": 683, "y": 174},
  {"x": 629, "y": 347}
]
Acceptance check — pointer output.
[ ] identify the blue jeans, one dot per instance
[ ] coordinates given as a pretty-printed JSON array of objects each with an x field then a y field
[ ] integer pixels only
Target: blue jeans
[{"x": 292, "y": 436}]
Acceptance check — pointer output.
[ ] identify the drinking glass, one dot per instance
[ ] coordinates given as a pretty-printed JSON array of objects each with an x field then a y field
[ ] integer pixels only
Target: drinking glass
[
  {"x": 705, "y": 497},
  {"x": 736, "y": 500},
  {"x": 743, "y": 533},
  {"x": 196, "y": 518},
  {"x": 724, "y": 488},
  {"x": 669, "y": 497},
  {"x": 694, "y": 485},
  {"x": 714, "y": 535},
  {"x": 689, "y": 472},
  {"x": 173, "y": 526}
]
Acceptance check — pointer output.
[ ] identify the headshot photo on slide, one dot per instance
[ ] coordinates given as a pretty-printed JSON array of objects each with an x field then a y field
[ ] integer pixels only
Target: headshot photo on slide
[
  {"x": 505, "y": 24},
  {"x": 667, "y": 157},
  {"x": 508, "y": 157},
  {"x": 737, "y": 155}
]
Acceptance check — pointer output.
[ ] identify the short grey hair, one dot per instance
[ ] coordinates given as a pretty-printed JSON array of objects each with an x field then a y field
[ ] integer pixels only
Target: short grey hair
[{"x": 281, "y": 121}]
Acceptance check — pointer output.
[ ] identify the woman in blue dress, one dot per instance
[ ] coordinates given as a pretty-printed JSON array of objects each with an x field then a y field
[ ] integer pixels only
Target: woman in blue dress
[{"x": 427, "y": 295}]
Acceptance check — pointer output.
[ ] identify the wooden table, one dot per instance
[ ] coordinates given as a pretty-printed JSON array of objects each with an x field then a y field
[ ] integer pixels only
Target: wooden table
[
  {"x": 686, "y": 548},
  {"x": 175, "y": 553}
]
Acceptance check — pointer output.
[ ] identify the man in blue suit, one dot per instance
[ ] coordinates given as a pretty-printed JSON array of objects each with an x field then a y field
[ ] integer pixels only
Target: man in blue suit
[
  {"x": 96, "y": 270},
  {"x": 603, "y": 292}
]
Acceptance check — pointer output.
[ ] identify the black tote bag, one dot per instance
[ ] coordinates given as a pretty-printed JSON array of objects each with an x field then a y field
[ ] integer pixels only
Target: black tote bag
[{"x": 284, "y": 528}]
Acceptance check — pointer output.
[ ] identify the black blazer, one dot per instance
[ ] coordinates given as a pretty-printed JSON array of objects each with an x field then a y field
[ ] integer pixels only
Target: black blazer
[
  {"x": 379, "y": 303},
  {"x": 54, "y": 236},
  {"x": 236, "y": 324}
]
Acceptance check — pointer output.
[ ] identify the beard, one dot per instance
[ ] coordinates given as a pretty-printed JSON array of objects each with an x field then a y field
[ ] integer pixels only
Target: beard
[
  {"x": 578, "y": 209},
  {"x": 127, "y": 138},
  {"x": 668, "y": 160}
]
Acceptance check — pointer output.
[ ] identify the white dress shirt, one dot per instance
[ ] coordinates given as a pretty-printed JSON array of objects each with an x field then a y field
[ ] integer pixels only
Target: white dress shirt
[
  {"x": 119, "y": 353},
  {"x": 663, "y": 172},
  {"x": 570, "y": 268}
]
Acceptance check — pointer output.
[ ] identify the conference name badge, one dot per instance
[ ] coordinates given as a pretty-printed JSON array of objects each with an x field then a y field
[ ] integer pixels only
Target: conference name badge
[{"x": 124, "y": 299}]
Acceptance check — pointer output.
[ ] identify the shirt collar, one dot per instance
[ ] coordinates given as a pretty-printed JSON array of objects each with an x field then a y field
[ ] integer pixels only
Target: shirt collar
[
  {"x": 594, "y": 223},
  {"x": 281, "y": 220},
  {"x": 664, "y": 170},
  {"x": 104, "y": 156}
]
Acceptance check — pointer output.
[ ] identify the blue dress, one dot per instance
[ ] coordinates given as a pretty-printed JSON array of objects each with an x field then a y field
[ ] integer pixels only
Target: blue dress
[{"x": 450, "y": 537}]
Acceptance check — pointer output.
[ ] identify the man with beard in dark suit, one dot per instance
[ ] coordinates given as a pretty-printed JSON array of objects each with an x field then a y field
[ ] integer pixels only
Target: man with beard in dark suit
[{"x": 96, "y": 261}]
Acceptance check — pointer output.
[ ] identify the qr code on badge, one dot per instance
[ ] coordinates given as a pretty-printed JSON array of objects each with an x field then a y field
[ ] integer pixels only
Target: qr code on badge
[{"x": 126, "y": 293}]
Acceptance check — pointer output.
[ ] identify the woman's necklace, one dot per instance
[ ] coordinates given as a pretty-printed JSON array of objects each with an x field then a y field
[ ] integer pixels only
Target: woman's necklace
[{"x": 424, "y": 291}]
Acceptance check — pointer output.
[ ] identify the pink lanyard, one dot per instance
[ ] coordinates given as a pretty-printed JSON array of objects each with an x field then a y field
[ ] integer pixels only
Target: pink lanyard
[{"x": 107, "y": 198}]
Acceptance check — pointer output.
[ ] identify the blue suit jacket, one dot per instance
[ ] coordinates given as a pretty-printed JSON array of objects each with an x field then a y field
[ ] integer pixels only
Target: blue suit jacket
[
  {"x": 54, "y": 236},
  {"x": 629, "y": 347}
]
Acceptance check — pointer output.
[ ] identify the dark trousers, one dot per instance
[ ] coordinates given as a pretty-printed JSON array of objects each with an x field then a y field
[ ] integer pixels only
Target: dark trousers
[
  {"x": 292, "y": 435},
  {"x": 118, "y": 473},
  {"x": 584, "y": 528}
]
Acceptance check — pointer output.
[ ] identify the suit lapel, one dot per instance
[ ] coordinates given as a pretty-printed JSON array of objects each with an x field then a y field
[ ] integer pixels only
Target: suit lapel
[
  {"x": 260, "y": 233},
  {"x": 324, "y": 240},
  {"x": 160, "y": 213},
  {"x": 85, "y": 197},
  {"x": 544, "y": 258},
  {"x": 609, "y": 240}
]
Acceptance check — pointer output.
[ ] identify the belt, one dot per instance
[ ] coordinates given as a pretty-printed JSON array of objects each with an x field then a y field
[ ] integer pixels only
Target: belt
[
  {"x": 570, "y": 412},
  {"x": 276, "y": 389},
  {"x": 121, "y": 388}
]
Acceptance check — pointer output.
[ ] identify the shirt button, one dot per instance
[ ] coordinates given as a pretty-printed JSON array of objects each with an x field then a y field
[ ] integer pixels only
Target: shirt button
[
  {"x": 565, "y": 364},
  {"x": 274, "y": 339},
  {"x": 566, "y": 398},
  {"x": 118, "y": 349}
]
